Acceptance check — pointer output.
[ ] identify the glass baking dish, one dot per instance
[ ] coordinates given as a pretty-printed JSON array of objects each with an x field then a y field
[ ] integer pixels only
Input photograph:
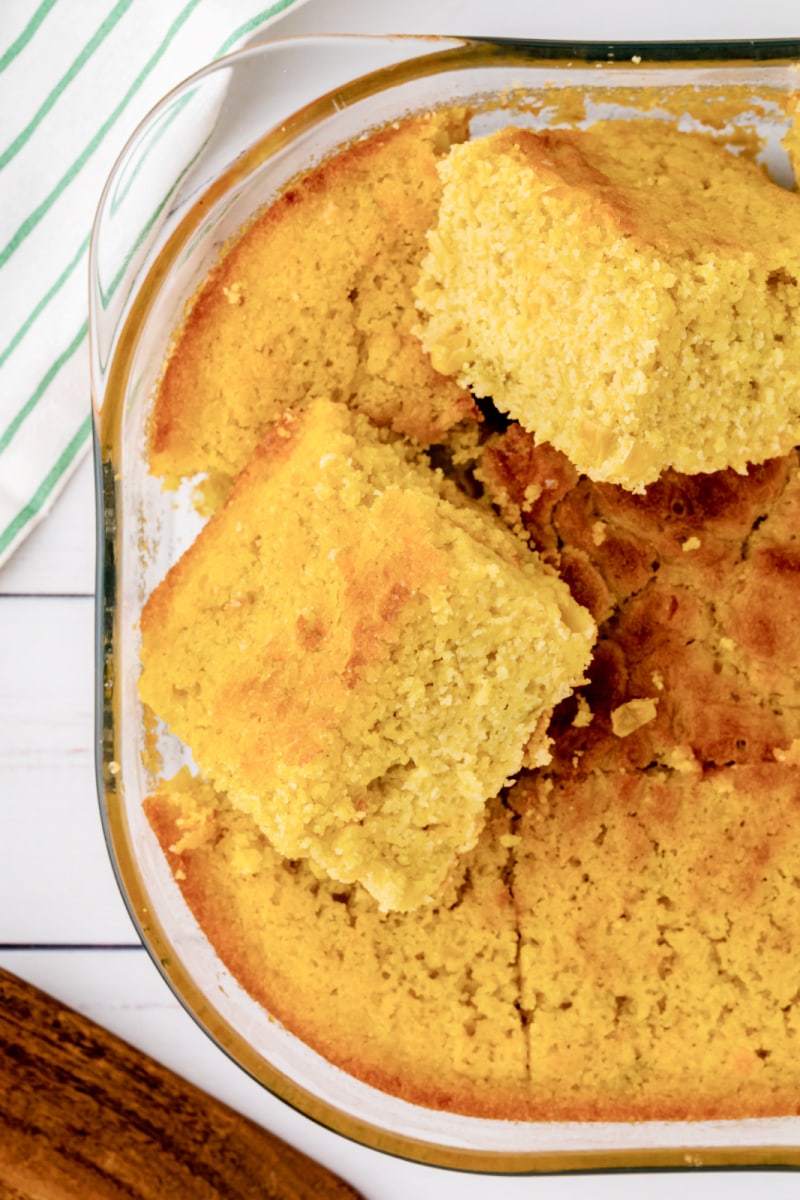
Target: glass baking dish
[{"x": 216, "y": 149}]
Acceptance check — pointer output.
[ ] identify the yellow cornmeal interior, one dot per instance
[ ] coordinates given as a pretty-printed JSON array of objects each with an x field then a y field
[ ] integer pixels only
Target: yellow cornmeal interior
[
  {"x": 314, "y": 299},
  {"x": 616, "y": 947},
  {"x": 358, "y": 657},
  {"x": 629, "y": 293}
]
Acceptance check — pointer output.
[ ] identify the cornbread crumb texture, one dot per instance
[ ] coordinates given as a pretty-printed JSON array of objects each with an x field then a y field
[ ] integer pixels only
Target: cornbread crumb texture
[
  {"x": 621, "y": 942},
  {"x": 708, "y": 639},
  {"x": 658, "y": 914},
  {"x": 314, "y": 300},
  {"x": 628, "y": 293},
  {"x": 358, "y": 657},
  {"x": 419, "y": 1004}
]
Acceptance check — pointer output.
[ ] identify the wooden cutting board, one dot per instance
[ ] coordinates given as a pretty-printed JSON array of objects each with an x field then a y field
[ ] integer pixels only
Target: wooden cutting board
[{"x": 85, "y": 1116}]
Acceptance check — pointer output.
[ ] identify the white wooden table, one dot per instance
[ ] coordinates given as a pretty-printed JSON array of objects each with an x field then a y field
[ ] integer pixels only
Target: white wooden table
[{"x": 63, "y": 925}]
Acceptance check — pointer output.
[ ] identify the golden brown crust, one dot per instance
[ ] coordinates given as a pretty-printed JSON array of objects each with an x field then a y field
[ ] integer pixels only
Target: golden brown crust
[
  {"x": 694, "y": 588},
  {"x": 314, "y": 299}
]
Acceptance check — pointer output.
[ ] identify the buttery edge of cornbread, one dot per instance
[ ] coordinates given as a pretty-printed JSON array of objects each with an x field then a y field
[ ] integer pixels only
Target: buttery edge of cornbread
[{"x": 514, "y": 1022}]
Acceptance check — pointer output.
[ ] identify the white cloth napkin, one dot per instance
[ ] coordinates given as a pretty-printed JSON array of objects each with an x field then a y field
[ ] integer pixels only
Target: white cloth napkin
[{"x": 75, "y": 80}]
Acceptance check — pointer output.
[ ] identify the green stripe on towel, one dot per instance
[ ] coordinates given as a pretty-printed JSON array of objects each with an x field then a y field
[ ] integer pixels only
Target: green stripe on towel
[
  {"x": 21, "y": 42},
  {"x": 45, "y": 488},
  {"x": 64, "y": 82},
  {"x": 30, "y": 223}
]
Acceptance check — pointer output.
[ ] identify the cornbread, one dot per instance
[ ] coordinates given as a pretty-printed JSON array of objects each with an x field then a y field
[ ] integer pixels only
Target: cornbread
[
  {"x": 658, "y": 926},
  {"x": 706, "y": 638},
  {"x": 455, "y": 855},
  {"x": 620, "y": 943},
  {"x": 627, "y": 292},
  {"x": 358, "y": 657},
  {"x": 420, "y": 1004},
  {"x": 314, "y": 300}
]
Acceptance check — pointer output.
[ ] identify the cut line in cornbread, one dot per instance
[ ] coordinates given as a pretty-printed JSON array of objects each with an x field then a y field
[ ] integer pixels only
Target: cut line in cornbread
[
  {"x": 629, "y": 293},
  {"x": 358, "y": 657}
]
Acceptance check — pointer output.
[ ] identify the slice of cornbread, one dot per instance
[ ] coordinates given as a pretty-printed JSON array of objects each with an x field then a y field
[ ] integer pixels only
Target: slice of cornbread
[
  {"x": 659, "y": 927},
  {"x": 358, "y": 657},
  {"x": 421, "y": 1004},
  {"x": 314, "y": 300},
  {"x": 629, "y": 293}
]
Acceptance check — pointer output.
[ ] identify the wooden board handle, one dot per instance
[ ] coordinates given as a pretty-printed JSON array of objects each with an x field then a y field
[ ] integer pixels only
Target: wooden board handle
[{"x": 85, "y": 1116}]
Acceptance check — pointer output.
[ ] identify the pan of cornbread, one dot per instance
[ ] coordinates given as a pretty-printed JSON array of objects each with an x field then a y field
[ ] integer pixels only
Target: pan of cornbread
[{"x": 468, "y": 694}]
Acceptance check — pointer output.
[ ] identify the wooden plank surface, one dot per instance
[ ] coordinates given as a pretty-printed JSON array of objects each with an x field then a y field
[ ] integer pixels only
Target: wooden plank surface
[
  {"x": 122, "y": 990},
  {"x": 86, "y": 1114}
]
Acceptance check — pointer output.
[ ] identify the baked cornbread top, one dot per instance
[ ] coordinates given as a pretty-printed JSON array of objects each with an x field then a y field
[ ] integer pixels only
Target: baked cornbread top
[
  {"x": 657, "y": 918},
  {"x": 629, "y": 293},
  {"x": 314, "y": 299},
  {"x": 694, "y": 586},
  {"x": 621, "y": 943},
  {"x": 359, "y": 657}
]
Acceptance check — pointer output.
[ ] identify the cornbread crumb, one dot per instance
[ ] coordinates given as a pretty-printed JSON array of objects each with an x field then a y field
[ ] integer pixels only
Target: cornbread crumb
[
  {"x": 681, "y": 759},
  {"x": 628, "y": 717},
  {"x": 366, "y": 709},
  {"x": 233, "y": 293},
  {"x": 791, "y": 755},
  {"x": 629, "y": 293}
]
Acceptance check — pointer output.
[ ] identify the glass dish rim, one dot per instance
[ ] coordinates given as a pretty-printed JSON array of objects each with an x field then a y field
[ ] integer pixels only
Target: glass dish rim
[{"x": 455, "y": 51}]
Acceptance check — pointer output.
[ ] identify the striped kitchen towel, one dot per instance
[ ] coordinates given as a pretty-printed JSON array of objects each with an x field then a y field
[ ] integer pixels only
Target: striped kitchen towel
[{"x": 75, "y": 80}]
